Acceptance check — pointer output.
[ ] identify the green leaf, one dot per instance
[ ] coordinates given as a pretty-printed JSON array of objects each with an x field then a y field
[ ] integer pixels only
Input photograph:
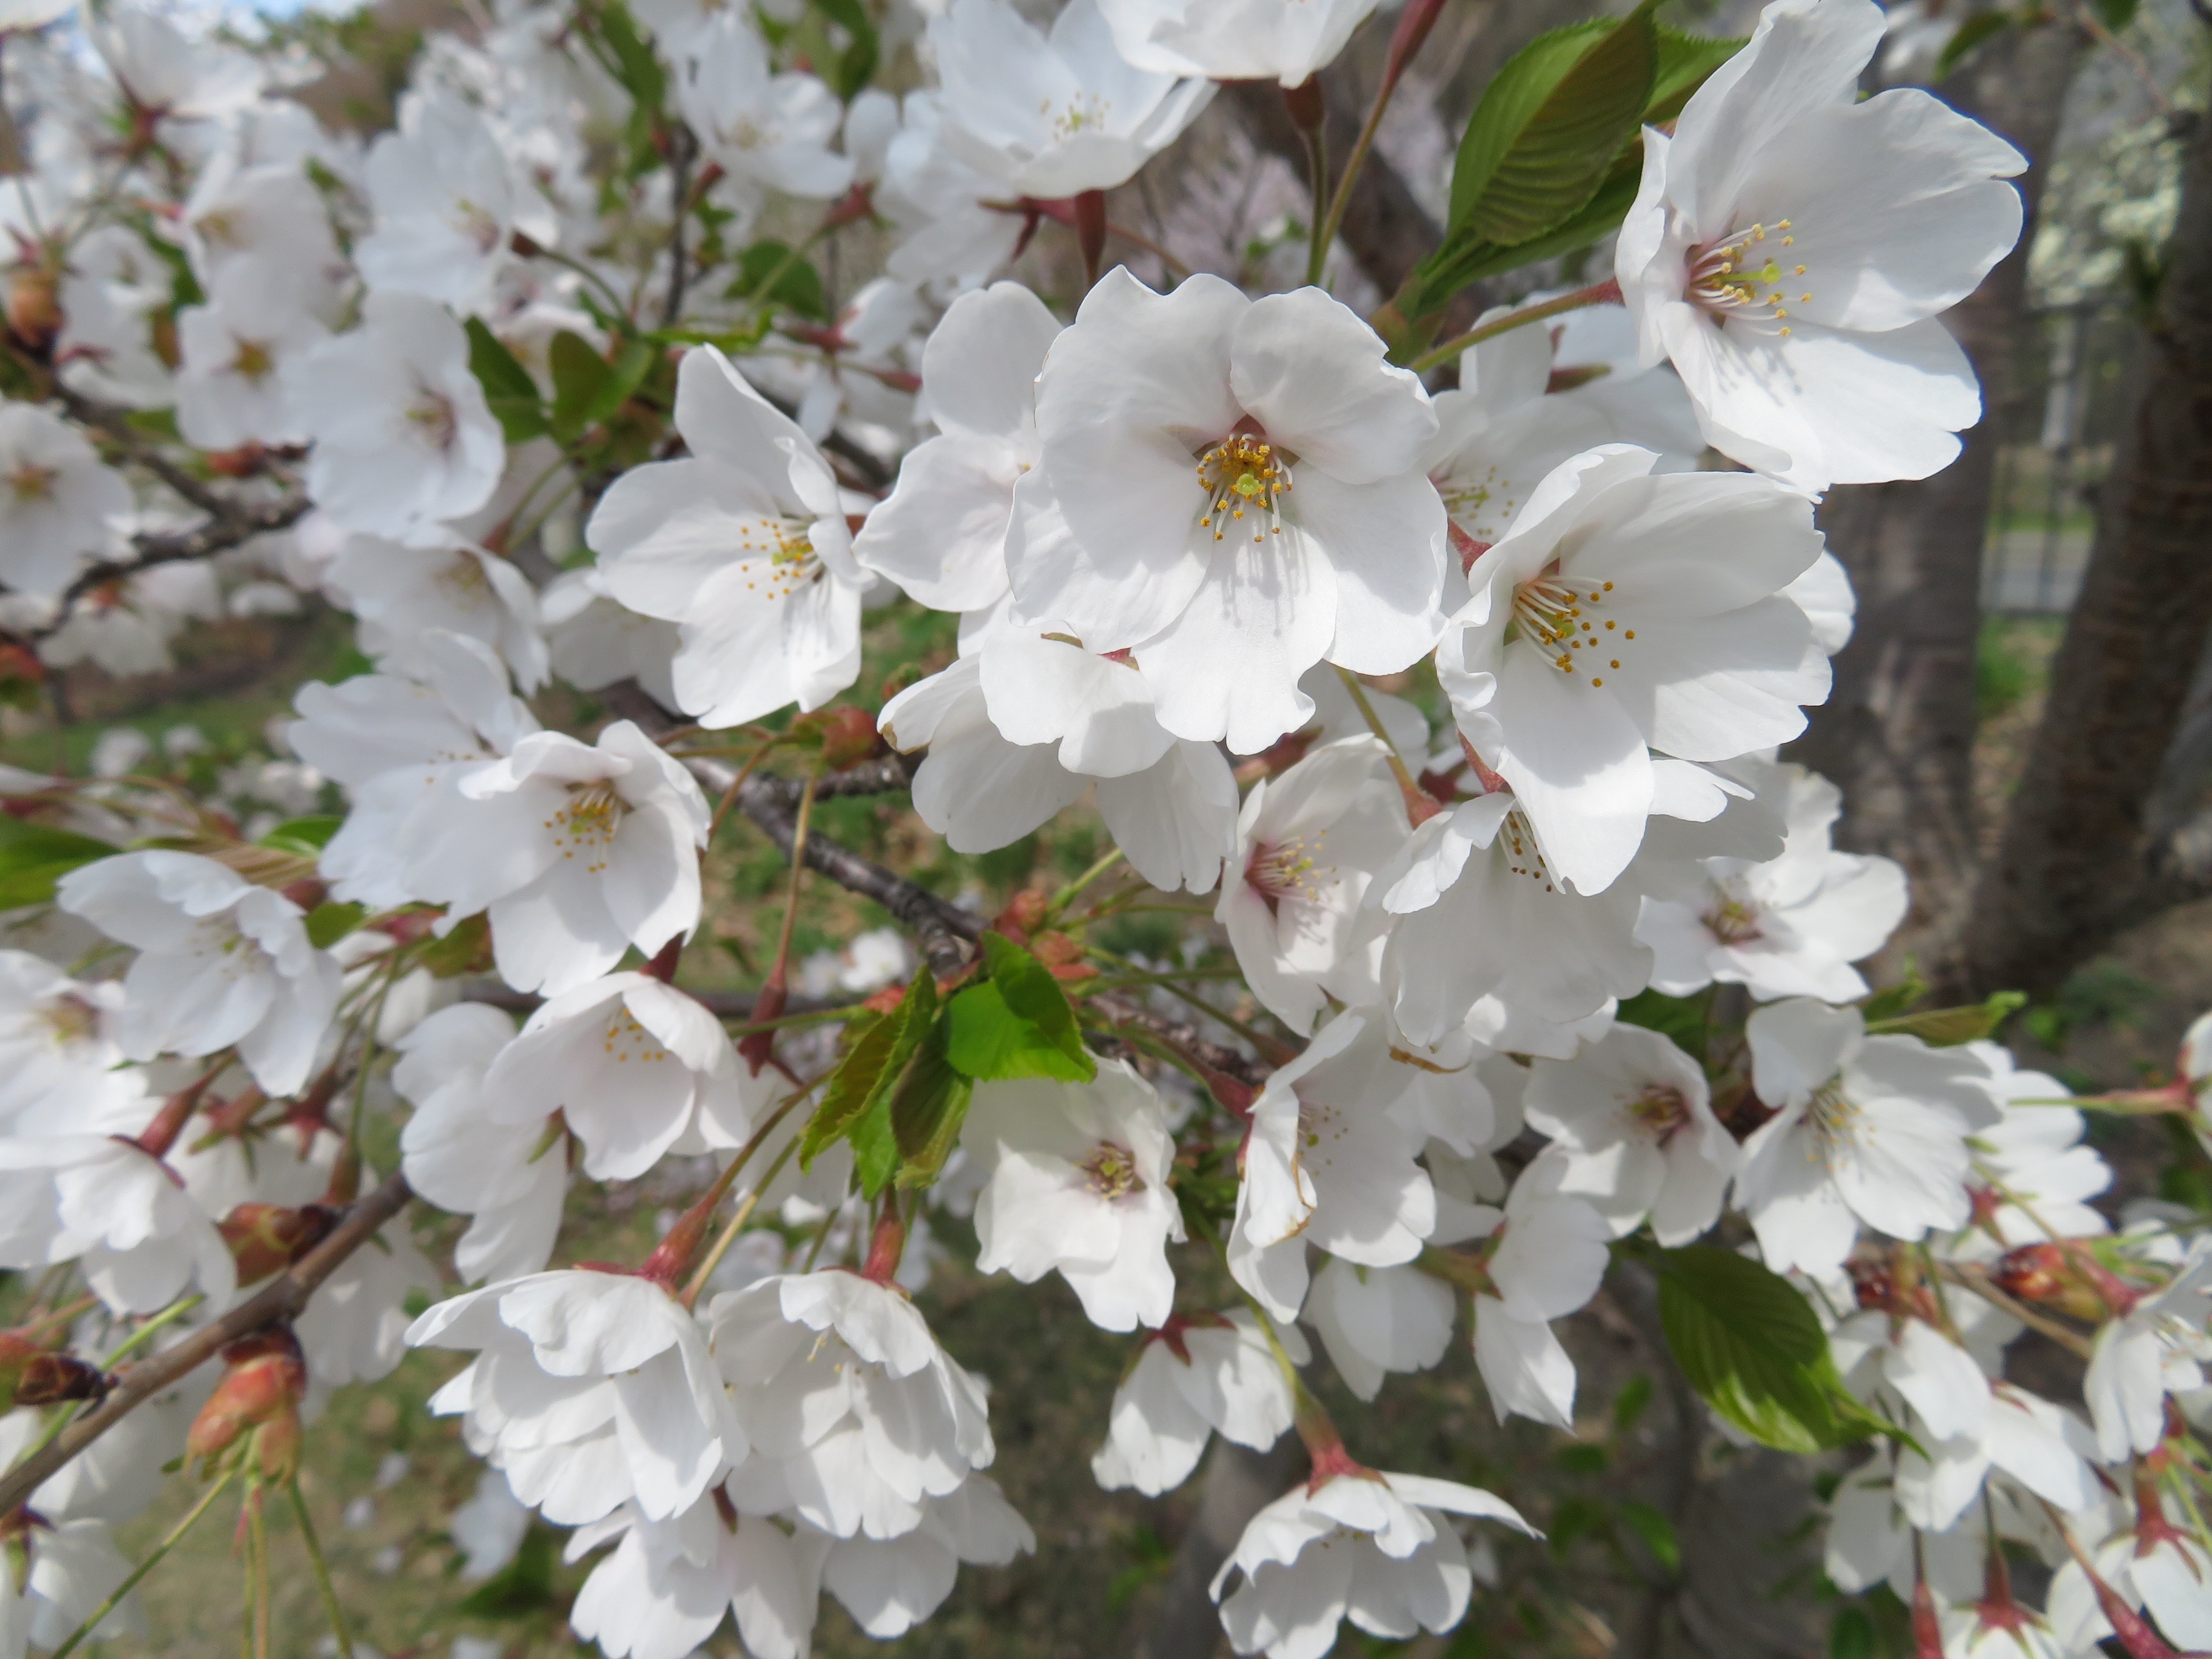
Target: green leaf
[
  {"x": 36, "y": 856},
  {"x": 927, "y": 1111},
  {"x": 523, "y": 1586},
  {"x": 1752, "y": 1349},
  {"x": 1549, "y": 128},
  {"x": 1685, "y": 62},
  {"x": 1984, "y": 24},
  {"x": 1891, "y": 1001},
  {"x": 1656, "y": 1531},
  {"x": 1852, "y": 1635},
  {"x": 2115, "y": 15},
  {"x": 1016, "y": 1024},
  {"x": 856, "y": 64},
  {"x": 638, "y": 69},
  {"x": 865, "y": 1076},
  {"x": 1682, "y": 1020},
  {"x": 1557, "y": 66},
  {"x": 328, "y": 923},
  {"x": 507, "y": 384},
  {"x": 580, "y": 376},
  {"x": 631, "y": 364},
  {"x": 795, "y": 283},
  {"x": 1947, "y": 1027},
  {"x": 309, "y": 835},
  {"x": 1628, "y": 1405}
]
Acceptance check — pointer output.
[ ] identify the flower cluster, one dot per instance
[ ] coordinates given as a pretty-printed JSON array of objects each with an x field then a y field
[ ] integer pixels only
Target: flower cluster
[{"x": 1458, "y": 703}]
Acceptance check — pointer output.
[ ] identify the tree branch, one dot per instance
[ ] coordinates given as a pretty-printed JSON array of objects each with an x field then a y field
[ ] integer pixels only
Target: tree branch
[
  {"x": 281, "y": 1299},
  {"x": 1181, "y": 1034},
  {"x": 940, "y": 928},
  {"x": 723, "y": 1004},
  {"x": 229, "y": 522}
]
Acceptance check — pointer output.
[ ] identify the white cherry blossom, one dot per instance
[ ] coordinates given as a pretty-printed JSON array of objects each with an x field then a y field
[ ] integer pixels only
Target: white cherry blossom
[
  {"x": 1632, "y": 1126},
  {"x": 575, "y": 852},
  {"x": 1230, "y": 489},
  {"x": 941, "y": 533},
  {"x": 58, "y": 502},
  {"x": 637, "y": 1070},
  {"x": 1310, "y": 842},
  {"x": 1284, "y": 40},
  {"x": 1198, "y": 1376},
  {"x": 221, "y": 962},
  {"x": 1791, "y": 246},
  {"x": 1076, "y": 1182},
  {"x": 448, "y": 200},
  {"x": 744, "y": 545},
  {"x": 508, "y": 1178},
  {"x": 1866, "y": 1129},
  {"x": 1051, "y": 115},
  {"x": 589, "y": 1389},
  {"x": 1380, "y": 1550},
  {"x": 1788, "y": 926},
  {"x": 1602, "y": 629},
  {"x": 402, "y": 434}
]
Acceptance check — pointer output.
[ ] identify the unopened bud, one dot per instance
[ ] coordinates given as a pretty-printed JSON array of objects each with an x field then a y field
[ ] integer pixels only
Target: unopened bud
[
  {"x": 32, "y": 1374},
  {"x": 1056, "y": 949},
  {"x": 1025, "y": 914},
  {"x": 35, "y": 311},
  {"x": 2066, "y": 1280},
  {"x": 265, "y": 1238},
  {"x": 259, "y": 1392}
]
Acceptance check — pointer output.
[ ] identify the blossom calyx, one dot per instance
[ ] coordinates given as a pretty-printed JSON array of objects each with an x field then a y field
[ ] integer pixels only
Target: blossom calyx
[{"x": 845, "y": 734}]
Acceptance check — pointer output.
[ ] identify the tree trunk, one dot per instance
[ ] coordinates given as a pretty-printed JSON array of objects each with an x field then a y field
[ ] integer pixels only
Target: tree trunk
[
  {"x": 1897, "y": 733},
  {"x": 2071, "y": 870},
  {"x": 1238, "y": 1484}
]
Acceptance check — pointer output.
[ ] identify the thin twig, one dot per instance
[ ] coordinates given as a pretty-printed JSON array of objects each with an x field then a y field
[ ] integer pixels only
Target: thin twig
[
  {"x": 282, "y": 1297},
  {"x": 153, "y": 1559},
  {"x": 336, "y": 1612}
]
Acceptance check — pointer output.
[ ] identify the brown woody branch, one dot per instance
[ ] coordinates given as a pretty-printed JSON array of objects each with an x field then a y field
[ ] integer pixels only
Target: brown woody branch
[
  {"x": 281, "y": 1299},
  {"x": 229, "y": 522}
]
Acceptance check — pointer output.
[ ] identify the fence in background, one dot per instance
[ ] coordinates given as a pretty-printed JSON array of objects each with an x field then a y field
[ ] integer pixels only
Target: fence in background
[{"x": 2056, "y": 448}]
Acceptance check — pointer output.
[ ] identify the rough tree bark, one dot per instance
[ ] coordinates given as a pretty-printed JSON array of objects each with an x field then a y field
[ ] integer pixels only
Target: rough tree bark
[
  {"x": 2077, "y": 861},
  {"x": 1897, "y": 730}
]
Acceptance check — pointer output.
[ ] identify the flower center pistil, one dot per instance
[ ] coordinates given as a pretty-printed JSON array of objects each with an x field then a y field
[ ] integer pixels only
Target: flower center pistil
[
  {"x": 432, "y": 414},
  {"x": 779, "y": 558},
  {"x": 254, "y": 361},
  {"x": 587, "y": 823},
  {"x": 1087, "y": 110},
  {"x": 1522, "y": 856},
  {"x": 33, "y": 482},
  {"x": 1734, "y": 920},
  {"x": 1243, "y": 473},
  {"x": 626, "y": 1039},
  {"x": 1284, "y": 869},
  {"x": 1831, "y": 1115},
  {"x": 1111, "y": 1170},
  {"x": 1660, "y": 1110},
  {"x": 1741, "y": 279},
  {"x": 1551, "y": 612}
]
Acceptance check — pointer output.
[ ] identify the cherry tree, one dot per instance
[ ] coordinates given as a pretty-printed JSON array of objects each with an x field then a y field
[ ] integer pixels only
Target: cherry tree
[{"x": 1435, "y": 654}]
